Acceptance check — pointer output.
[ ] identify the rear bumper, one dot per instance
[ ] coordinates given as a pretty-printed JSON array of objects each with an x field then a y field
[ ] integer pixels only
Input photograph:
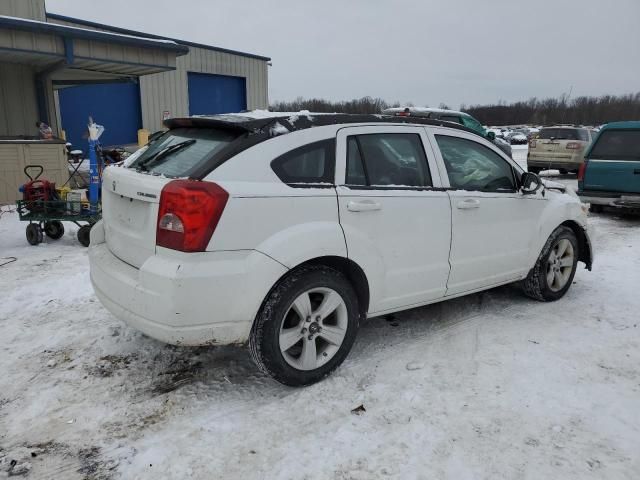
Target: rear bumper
[
  {"x": 610, "y": 199},
  {"x": 208, "y": 298},
  {"x": 553, "y": 163}
]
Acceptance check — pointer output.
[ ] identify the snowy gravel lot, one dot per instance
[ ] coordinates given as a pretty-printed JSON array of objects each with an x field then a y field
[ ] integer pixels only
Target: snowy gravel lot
[{"x": 491, "y": 386}]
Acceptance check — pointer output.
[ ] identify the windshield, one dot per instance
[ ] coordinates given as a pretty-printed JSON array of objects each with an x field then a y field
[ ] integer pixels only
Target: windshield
[
  {"x": 617, "y": 145},
  {"x": 202, "y": 143},
  {"x": 473, "y": 124}
]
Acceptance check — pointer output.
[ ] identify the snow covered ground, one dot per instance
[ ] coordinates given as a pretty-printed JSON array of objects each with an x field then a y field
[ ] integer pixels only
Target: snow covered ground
[{"x": 492, "y": 386}]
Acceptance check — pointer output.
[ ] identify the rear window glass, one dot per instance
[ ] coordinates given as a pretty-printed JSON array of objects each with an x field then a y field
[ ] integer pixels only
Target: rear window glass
[
  {"x": 617, "y": 145},
  {"x": 200, "y": 144},
  {"x": 564, "y": 134},
  {"x": 310, "y": 164}
]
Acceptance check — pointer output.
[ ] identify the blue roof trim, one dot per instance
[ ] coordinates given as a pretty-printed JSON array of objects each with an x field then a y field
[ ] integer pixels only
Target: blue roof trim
[
  {"x": 125, "y": 31},
  {"x": 73, "y": 32}
]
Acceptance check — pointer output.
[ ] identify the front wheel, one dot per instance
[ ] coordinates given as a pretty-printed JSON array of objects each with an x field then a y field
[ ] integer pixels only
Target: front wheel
[
  {"x": 306, "y": 326},
  {"x": 553, "y": 273}
]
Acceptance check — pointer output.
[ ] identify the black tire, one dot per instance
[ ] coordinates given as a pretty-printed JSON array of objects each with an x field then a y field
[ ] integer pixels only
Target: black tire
[
  {"x": 536, "y": 284},
  {"x": 34, "y": 234},
  {"x": 264, "y": 344},
  {"x": 54, "y": 229},
  {"x": 83, "y": 235}
]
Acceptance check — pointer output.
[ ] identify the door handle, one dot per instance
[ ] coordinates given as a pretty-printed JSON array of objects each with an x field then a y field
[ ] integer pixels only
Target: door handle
[
  {"x": 469, "y": 204},
  {"x": 636, "y": 171},
  {"x": 364, "y": 206}
]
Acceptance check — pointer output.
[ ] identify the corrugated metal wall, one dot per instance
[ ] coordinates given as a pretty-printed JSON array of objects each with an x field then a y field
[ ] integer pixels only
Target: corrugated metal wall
[
  {"x": 168, "y": 91},
  {"x": 32, "y": 9},
  {"x": 18, "y": 101},
  {"x": 15, "y": 156}
]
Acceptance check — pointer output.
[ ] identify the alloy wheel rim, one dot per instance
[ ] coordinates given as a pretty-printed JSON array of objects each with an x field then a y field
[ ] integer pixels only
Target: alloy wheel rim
[
  {"x": 560, "y": 265},
  {"x": 313, "y": 328}
]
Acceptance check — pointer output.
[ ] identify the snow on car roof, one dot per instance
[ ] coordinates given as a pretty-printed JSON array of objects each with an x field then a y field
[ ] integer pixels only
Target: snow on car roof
[
  {"x": 421, "y": 110},
  {"x": 277, "y": 123}
]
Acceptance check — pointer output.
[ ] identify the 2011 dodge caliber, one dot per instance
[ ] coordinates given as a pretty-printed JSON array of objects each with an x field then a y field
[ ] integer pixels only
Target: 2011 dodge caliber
[{"x": 286, "y": 231}]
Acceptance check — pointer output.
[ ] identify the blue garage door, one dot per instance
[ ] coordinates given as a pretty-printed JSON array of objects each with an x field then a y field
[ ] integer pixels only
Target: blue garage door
[
  {"x": 210, "y": 94},
  {"x": 116, "y": 106}
]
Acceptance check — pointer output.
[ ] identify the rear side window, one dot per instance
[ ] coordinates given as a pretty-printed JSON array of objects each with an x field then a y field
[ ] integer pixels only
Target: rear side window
[
  {"x": 387, "y": 160},
  {"x": 164, "y": 156},
  {"x": 563, "y": 134},
  {"x": 617, "y": 145},
  {"x": 310, "y": 164}
]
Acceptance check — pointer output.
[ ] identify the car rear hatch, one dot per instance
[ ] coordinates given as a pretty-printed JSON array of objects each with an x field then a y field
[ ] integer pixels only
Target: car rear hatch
[
  {"x": 613, "y": 162},
  {"x": 131, "y": 193},
  {"x": 559, "y": 144}
]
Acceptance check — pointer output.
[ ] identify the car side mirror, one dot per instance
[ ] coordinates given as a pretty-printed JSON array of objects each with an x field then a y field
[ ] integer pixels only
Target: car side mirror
[
  {"x": 530, "y": 183},
  {"x": 491, "y": 136}
]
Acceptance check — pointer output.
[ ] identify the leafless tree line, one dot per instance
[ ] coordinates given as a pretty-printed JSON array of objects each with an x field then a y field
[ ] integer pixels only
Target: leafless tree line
[
  {"x": 579, "y": 110},
  {"x": 358, "y": 105}
]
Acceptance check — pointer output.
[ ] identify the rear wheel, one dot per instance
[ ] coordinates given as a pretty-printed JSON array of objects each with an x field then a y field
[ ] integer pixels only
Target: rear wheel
[
  {"x": 54, "y": 229},
  {"x": 84, "y": 235},
  {"x": 34, "y": 234},
  {"x": 553, "y": 273},
  {"x": 306, "y": 326}
]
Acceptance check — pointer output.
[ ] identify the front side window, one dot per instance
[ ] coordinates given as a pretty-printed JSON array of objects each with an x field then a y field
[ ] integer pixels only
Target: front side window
[
  {"x": 309, "y": 164},
  {"x": 617, "y": 145},
  {"x": 387, "y": 159},
  {"x": 472, "y": 166}
]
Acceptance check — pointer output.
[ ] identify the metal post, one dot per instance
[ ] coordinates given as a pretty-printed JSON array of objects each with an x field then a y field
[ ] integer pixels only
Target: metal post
[{"x": 94, "y": 175}]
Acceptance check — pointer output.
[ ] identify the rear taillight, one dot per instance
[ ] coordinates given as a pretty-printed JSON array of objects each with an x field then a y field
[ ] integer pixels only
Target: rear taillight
[
  {"x": 403, "y": 114},
  {"x": 574, "y": 146},
  {"x": 583, "y": 167},
  {"x": 188, "y": 215},
  {"x": 532, "y": 143}
]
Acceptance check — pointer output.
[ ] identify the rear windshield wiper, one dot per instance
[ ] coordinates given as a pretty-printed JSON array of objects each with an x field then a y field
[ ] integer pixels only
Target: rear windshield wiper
[{"x": 144, "y": 165}]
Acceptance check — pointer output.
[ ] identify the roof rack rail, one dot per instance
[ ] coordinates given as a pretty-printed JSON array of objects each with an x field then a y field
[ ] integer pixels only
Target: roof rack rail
[{"x": 277, "y": 125}]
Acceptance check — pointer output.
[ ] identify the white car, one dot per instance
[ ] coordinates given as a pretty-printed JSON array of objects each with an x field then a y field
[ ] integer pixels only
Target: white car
[{"x": 287, "y": 232}]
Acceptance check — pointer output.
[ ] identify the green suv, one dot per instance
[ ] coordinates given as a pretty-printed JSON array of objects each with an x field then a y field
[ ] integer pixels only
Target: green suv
[{"x": 450, "y": 116}]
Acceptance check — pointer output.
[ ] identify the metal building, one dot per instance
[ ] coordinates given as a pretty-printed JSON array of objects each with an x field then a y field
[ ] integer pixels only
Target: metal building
[
  {"x": 206, "y": 80},
  {"x": 61, "y": 70}
]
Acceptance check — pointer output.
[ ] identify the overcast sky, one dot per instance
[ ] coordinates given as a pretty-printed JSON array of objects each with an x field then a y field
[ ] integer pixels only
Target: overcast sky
[{"x": 423, "y": 51}]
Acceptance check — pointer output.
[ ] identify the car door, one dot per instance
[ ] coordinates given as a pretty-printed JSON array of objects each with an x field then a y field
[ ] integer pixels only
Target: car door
[
  {"x": 395, "y": 217},
  {"x": 493, "y": 224}
]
